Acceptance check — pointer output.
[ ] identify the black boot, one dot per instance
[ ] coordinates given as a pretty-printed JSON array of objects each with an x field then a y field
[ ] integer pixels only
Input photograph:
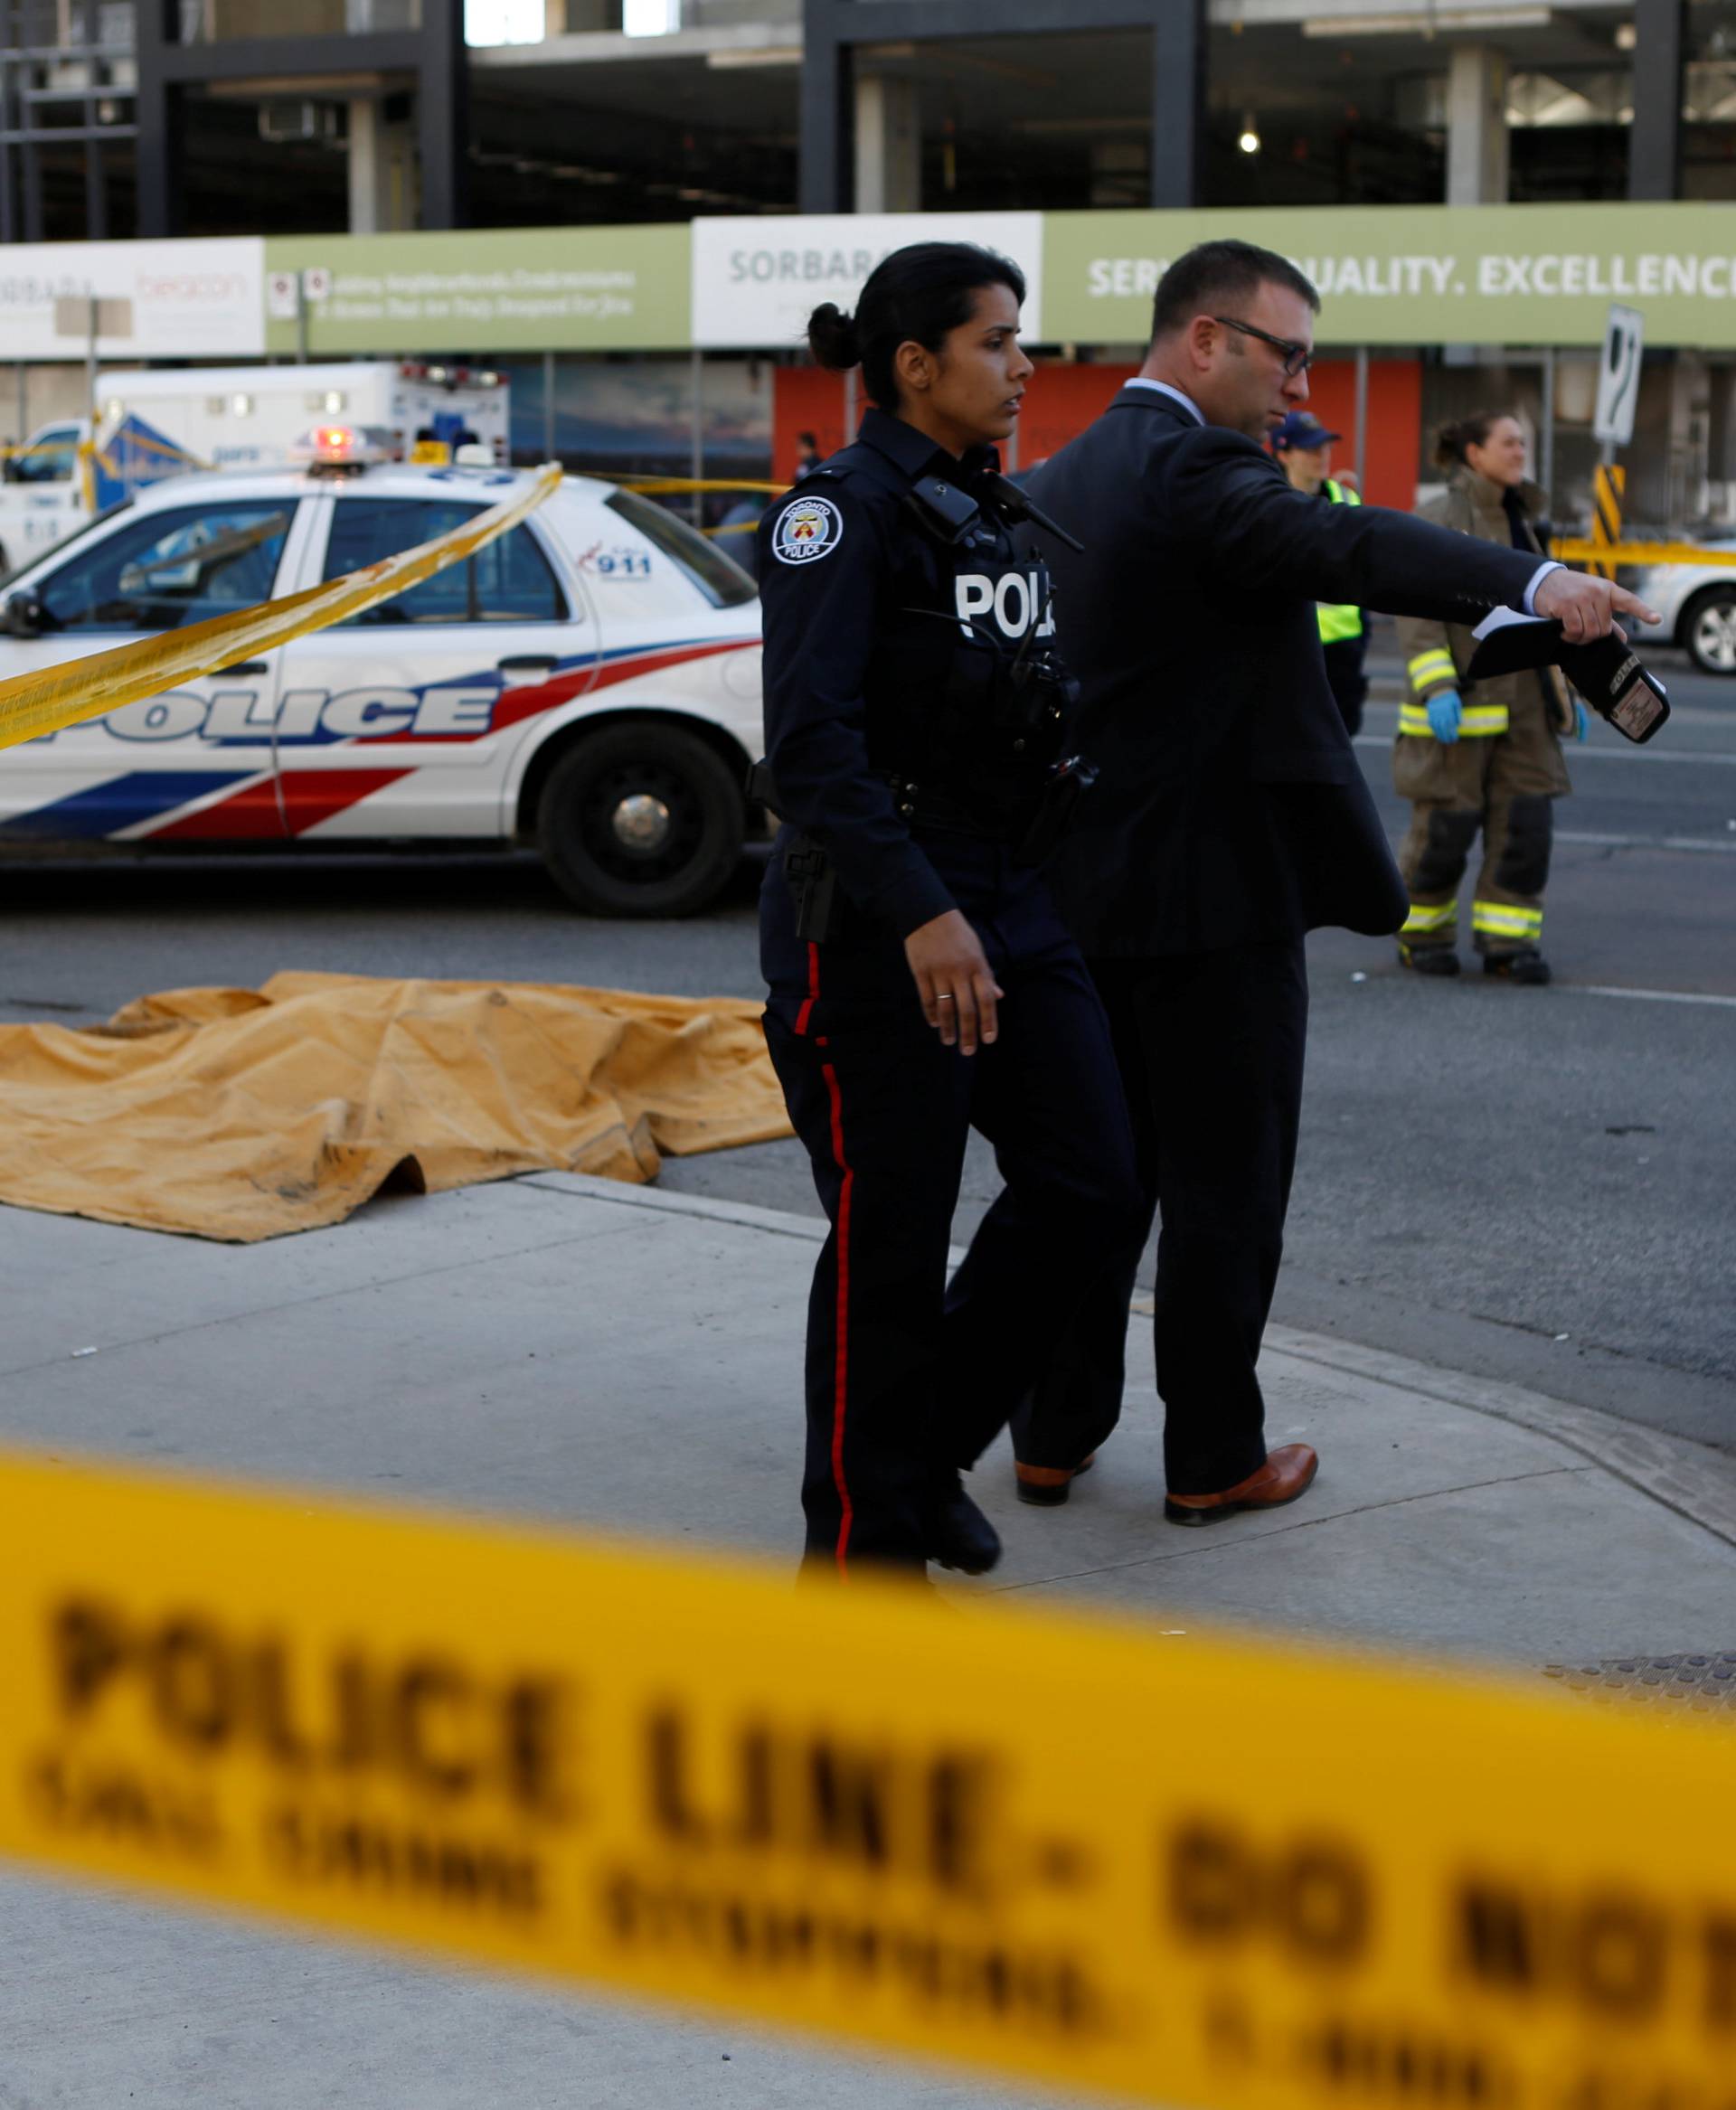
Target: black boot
[
  {"x": 1529, "y": 967},
  {"x": 1429, "y": 959},
  {"x": 955, "y": 1533}
]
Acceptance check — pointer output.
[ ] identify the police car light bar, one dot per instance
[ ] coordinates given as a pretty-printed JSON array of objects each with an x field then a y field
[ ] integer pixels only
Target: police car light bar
[{"x": 339, "y": 450}]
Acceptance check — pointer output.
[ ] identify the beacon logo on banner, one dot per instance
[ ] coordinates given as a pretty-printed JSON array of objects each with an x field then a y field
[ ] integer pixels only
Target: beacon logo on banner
[
  {"x": 188, "y": 299},
  {"x": 756, "y": 281}
]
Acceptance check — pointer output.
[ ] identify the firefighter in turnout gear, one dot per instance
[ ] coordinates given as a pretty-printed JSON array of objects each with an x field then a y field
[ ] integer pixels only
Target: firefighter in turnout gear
[
  {"x": 1486, "y": 758},
  {"x": 921, "y": 983}
]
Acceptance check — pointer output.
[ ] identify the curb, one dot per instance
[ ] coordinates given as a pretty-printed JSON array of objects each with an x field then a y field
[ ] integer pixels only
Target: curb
[{"x": 1694, "y": 1482}]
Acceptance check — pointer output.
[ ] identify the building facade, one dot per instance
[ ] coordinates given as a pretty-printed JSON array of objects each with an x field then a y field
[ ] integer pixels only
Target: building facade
[{"x": 284, "y": 120}]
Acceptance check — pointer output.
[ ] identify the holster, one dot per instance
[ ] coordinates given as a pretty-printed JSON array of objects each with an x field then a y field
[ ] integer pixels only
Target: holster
[
  {"x": 809, "y": 871},
  {"x": 813, "y": 880}
]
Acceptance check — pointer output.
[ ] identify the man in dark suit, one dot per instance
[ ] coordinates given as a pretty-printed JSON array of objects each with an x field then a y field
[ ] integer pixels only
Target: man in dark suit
[{"x": 1230, "y": 818}]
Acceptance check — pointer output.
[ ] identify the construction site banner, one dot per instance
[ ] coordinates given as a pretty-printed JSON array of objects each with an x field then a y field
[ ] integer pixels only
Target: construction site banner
[
  {"x": 757, "y": 281},
  {"x": 1422, "y": 275},
  {"x": 1398, "y": 274},
  {"x": 157, "y": 299},
  {"x": 485, "y": 291}
]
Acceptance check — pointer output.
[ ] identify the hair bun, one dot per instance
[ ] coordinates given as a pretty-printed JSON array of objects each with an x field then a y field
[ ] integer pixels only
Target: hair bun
[{"x": 831, "y": 337}]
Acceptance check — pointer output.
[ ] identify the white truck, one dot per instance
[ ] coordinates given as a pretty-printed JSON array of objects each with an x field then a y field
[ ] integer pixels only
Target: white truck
[{"x": 152, "y": 424}]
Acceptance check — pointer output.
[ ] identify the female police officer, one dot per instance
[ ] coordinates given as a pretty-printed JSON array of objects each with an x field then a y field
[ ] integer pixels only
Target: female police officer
[{"x": 921, "y": 981}]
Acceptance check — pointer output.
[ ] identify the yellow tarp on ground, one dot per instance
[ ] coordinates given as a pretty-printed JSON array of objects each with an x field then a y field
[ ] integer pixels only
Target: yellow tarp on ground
[{"x": 240, "y": 1114}]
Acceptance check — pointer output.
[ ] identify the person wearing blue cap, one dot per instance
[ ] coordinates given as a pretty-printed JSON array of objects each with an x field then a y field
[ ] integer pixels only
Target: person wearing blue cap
[{"x": 1304, "y": 449}]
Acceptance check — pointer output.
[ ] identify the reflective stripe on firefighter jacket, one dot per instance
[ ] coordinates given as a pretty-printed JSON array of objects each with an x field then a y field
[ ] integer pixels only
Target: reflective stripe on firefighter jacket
[{"x": 1338, "y": 619}]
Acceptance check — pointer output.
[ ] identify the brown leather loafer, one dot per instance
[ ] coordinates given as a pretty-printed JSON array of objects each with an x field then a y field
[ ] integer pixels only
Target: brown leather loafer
[
  {"x": 1287, "y": 1471},
  {"x": 1047, "y": 1487}
]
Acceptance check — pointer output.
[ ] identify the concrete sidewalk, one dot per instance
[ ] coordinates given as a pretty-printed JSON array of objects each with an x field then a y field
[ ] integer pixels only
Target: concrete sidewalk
[{"x": 561, "y": 1347}]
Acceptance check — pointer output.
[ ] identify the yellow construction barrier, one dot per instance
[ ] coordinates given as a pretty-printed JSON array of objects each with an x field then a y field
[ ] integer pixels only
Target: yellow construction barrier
[
  {"x": 51, "y": 697},
  {"x": 1609, "y": 488},
  {"x": 1182, "y": 1869}
]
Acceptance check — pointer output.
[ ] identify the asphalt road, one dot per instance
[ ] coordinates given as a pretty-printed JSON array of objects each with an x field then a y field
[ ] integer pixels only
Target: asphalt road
[{"x": 1533, "y": 1186}]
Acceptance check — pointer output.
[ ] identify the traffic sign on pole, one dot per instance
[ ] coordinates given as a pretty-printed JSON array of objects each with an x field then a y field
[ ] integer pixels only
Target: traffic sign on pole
[{"x": 1624, "y": 338}]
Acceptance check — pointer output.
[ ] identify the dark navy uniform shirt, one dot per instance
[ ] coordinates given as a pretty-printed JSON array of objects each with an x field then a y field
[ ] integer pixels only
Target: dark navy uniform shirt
[{"x": 866, "y": 613}]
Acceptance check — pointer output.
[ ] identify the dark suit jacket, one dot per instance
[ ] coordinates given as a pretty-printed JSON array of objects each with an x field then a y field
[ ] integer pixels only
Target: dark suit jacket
[{"x": 1230, "y": 809}]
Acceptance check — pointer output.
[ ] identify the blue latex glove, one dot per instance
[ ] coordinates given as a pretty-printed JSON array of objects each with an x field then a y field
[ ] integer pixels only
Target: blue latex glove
[
  {"x": 1446, "y": 715},
  {"x": 1581, "y": 720}
]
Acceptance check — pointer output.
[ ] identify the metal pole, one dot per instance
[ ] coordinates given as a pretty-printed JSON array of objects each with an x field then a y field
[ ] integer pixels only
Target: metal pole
[
  {"x": 697, "y": 467},
  {"x": 1546, "y": 437},
  {"x": 548, "y": 405},
  {"x": 849, "y": 405},
  {"x": 90, "y": 362},
  {"x": 301, "y": 319},
  {"x": 22, "y": 372},
  {"x": 1362, "y": 418}
]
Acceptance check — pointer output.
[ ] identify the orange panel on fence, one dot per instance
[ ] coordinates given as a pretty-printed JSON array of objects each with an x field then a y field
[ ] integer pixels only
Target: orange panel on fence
[
  {"x": 1393, "y": 443},
  {"x": 1062, "y": 397},
  {"x": 1060, "y": 401},
  {"x": 806, "y": 399}
]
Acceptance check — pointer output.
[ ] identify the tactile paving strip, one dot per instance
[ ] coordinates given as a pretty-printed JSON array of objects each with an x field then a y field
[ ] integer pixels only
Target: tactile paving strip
[{"x": 1706, "y": 1684}]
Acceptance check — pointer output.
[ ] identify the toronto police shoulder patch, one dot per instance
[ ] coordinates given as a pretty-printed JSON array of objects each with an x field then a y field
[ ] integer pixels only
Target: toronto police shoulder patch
[{"x": 807, "y": 529}]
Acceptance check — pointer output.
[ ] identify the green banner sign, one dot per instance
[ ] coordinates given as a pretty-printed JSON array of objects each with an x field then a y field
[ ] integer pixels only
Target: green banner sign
[
  {"x": 1422, "y": 275},
  {"x": 486, "y": 291}
]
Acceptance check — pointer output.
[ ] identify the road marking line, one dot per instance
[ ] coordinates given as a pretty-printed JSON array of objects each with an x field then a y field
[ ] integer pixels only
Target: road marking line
[
  {"x": 1705, "y": 844},
  {"x": 1589, "y": 753},
  {"x": 1648, "y": 995}
]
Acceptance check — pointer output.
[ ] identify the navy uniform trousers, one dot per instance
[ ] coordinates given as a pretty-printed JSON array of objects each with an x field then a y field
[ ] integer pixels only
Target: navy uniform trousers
[
  {"x": 1210, "y": 1046},
  {"x": 908, "y": 1378}
]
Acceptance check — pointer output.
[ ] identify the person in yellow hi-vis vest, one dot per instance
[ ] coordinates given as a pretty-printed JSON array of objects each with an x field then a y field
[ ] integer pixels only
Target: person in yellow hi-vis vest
[
  {"x": 1304, "y": 449},
  {"x": 1487, "y": 757}
]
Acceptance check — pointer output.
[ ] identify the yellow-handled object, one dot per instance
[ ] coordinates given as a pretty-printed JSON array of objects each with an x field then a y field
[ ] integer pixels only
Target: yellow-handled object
[{"x": 66, "y": 694}]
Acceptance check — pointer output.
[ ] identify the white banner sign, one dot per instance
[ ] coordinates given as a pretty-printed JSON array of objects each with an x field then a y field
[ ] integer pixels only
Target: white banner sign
[
  {"x": 188, "y": 299},
  {"x": 756, "y": 281}
]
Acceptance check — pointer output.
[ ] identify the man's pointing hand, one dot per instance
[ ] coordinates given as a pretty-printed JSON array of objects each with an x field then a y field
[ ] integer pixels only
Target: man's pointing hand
[{"x": 1586, "y": 607}]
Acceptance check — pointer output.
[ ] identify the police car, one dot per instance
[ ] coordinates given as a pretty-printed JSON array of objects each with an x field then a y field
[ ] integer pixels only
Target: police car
[
  {"x": 588, "y": 683},
  {"x": 1696, "y": 606}
]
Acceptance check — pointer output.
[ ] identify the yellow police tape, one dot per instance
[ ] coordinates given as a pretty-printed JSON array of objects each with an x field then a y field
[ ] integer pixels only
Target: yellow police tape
[
  {"x": 1582, "y": 551},
  {"x": 55, "y": 696},
  {"x": 1182, "y": 1870}
]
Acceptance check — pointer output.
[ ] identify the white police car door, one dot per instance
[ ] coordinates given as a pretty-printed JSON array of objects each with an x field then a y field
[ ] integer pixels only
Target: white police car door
[
  {"x": 194, "y": 763},
  {"x": 399, "y": 721}
]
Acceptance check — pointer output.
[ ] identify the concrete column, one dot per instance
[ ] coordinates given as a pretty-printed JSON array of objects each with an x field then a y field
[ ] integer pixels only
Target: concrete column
[
  {"x": 824, "y": 112},
  {"x": 382, "y": 170},
  {"x": 1477, "y": 127},
  {"x": 888, "y": 145},
  {"x": 1655, "y": 143},
  {"x": 1178, "y": 97}
]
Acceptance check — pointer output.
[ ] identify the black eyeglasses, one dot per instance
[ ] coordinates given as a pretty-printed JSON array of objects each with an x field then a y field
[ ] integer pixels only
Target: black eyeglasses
[{"x": 1298, "y": 358}]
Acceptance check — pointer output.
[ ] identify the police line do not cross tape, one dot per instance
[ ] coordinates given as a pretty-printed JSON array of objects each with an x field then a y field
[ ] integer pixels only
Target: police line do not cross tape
[
  {"x": 1179, "y": 1869},
  {"x": 50, "y": 698}
]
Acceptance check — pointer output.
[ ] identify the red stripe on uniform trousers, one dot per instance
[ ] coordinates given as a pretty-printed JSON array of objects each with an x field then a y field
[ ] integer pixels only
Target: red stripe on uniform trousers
[{"x": 812, "y": 997}]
